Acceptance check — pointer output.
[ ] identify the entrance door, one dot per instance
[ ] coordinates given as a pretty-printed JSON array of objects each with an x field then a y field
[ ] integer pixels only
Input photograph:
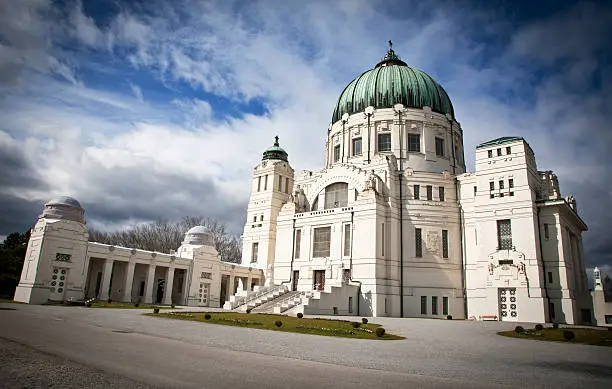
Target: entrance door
[
  {"x": 296, "y": 278},
  {"x": 508, "y": 304},
  {"x": 319, "y": 280},
  {"x": 58, "y": 283},
  {"x": 203, "y": 293}
]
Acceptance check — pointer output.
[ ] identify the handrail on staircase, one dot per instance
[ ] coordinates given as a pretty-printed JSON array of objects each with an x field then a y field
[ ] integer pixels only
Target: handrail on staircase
[{"x": 259, "y": 294}]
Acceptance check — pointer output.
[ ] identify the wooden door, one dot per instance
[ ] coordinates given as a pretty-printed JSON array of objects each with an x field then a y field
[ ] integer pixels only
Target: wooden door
[{"x": 319, "y": 280}]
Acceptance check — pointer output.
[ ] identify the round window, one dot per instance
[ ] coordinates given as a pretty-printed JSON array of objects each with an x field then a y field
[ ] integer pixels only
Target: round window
[
  {"x": 60, "y": 290},
  {"x": 61, "y": 284},
  {"x": 55, "y": 271},
  {"x": 54, "y": 277},
  {"x": 513, "y": 314},
  {"x": 63, "y": 271},
  {"x": 53, "y": 283}
]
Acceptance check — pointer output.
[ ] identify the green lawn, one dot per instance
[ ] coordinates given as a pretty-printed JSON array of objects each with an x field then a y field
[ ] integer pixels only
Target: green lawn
[
  {"x": 582, "y": 335},
  {"x": 324, "y": 327}
]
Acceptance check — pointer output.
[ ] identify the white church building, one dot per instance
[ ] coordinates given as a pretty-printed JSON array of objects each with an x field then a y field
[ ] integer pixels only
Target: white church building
[{"x": 393, "y": 225}]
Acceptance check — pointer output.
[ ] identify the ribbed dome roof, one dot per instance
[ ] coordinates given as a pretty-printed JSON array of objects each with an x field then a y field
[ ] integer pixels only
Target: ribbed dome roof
[
  {"x": 65, "y": 200},
  {"x": 275, "y": 152},
  {"x": 198, "y": 230},
  {"x": 199, "y": 235},
  {"x": 392, "y": 82}
]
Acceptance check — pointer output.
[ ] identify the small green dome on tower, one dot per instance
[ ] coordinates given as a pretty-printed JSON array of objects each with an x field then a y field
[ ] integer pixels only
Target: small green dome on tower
[
  {"x": 392, "y": 82},
  {"x": 275, "y": 152}
]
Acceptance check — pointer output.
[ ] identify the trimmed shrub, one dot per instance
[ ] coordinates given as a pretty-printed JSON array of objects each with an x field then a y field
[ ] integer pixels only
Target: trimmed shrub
[
  {"x": 278, "y": 323},
  {"x": 248, "y": 310},
  {"x": 519, "y": 329},
  {"x": 568, "y": 335},
  {"x": 155, "y": 310},
  {"x": 364, "y": 320},
  {"x": 88, "y": 304},
  {"x": 380, "y": 332},
  {"x": 172, "y": 306},
  {"x": 207, "y": 316},
  {"x": 355, "y": 324},
  {"x": 109, "y": 300},
  {"x": 136, "y": 305},
  {"x": 300, "y": 315},
  {"x": 555, "y": 325},
  {"x": 449, "y": 317},
  {"x": 539, "y": 327}
]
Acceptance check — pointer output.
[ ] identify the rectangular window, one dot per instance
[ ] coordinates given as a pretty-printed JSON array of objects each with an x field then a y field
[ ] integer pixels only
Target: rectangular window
[
  {"x": 357, "y": 146},
  {"x": 254, "y": 218},
  {"x": 546, "y": 231},
  {"x": 550, "y": 277},
  {"x": 508, "y": 150},
  {"x": 608, "y": 319},
  {"x": 350, "y": 305},
  {"x": 266, "y": 182},
  {"x": 280, "y": 183},
  {"x": 441, "y": 193},
  {"x": 444, "y": 243},
  {"x": 504, "y": 235},
  {"x": 298, "y": 243},
  {"x": 505, "y": 262},
  {"x": 511, "y": 186},
  {"x": 261, "y": 218},
  {"x": 259, "y": 184},
  {"x": 490, "y": 152},
  {"x": 439, "y": 147},
  {"x": 429, "y": 189},
  {"x": 501, "y": 184},
  {"x": 499, "y": 152},
  {"x": 206, "y": 275},
  {"x": 287, "y": 185},
  {"x": 414, "y": 143},
  {"x": 382, "y": 239},
  {"x": 418, "y": 244},
  {"x": 321, "y": 242},
  {"x": 491, "y": 185},
  {"x": 384, "y": 142},
  {"x": 346, "y": 275},
  {"x": 434, "y": 305},
  {"x": 445, "y": 305},
  {"x": 423, "y": 305},
  {"x": 417, "y": 192},
  {"x": 336, "y": 153},
  {"x": 475, "y": 190},
  {"x": 347, "y": 240},
  {"x": 254, "y": 252}
]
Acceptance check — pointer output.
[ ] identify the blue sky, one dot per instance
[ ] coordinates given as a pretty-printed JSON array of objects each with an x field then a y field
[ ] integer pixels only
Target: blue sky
[{"x": 160, "y": 109}]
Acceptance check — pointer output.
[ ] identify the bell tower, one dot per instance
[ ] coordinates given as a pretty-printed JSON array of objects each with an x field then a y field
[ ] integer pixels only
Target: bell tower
[{"x": 271, "y": 186}]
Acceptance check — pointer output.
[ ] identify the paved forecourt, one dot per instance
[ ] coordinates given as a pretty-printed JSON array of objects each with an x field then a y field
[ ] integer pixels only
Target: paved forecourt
[{"x": 436, "y": 353}]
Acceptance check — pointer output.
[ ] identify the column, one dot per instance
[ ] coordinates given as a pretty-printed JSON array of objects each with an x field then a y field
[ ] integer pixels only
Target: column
[
  {"x": 240, "y": 285},
  {"x": 169, "y": 284},
  {"x": 129, "y": 280},
  {"x": 186, "y": 286},
  {"x": 229, "y": 288},
  {"x": 106, "y": 279},
  {"x": 148, "y": 294},
  {"x": 249, "y": 282}
]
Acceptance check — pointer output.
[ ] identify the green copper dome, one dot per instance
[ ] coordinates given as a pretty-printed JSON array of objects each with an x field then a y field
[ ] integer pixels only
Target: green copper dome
[
  {"x": 392, "y": 82},
  {"x": 275, "y": 152}
]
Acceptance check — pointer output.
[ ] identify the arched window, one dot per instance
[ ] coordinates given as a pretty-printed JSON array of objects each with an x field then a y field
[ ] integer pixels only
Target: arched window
[{"x": 336, "y": 195}]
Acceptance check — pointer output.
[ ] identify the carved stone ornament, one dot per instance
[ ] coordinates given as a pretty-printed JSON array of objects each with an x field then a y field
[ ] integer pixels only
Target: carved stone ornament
[
  {"x": 370, "y": 182},
  {"x": 433, "y": 241}
]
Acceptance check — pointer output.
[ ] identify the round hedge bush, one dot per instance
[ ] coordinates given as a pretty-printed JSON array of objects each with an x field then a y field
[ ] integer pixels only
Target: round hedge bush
[
  {"x": 364, "y": 320},
  {"x": 136, "y": 305},
  {"x": 278, "y": 323},
  {"x": 355, "y": 324},
  {"x": 380, "y": 332},
  {"x": 248, "y": 310},
  {"x": 555, "y": 325},
  {"x": 568, "y": 335},
  {"x": 300, "y": 315},
  {"x": 539, "y": 327},
  {"x": 519, "y": 329},
  {"x": 207, "y": 316}
]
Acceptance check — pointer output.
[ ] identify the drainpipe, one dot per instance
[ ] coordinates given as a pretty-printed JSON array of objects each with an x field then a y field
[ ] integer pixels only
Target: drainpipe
[
  {"x": 343, "y": 139},
  {"x": 543, "y": 265},
  {"x": 351, "y": 263},
  {"x": 369, "y": 113},
  {"x": 463, "y": 270},
  {"x": 292, "y": 254},
  {"x": 453, "y": 145}
]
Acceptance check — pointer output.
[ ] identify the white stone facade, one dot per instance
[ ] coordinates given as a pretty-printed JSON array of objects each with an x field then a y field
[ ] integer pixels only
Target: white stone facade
[{"x": 61, "y": 265}]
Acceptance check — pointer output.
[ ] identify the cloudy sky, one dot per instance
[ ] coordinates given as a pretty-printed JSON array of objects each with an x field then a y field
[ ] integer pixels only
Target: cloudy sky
[{"x": 159, "y": 109}]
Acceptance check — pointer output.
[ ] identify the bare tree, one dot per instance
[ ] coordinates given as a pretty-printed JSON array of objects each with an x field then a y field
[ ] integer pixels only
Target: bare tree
[{"x": 164, "y": 236}]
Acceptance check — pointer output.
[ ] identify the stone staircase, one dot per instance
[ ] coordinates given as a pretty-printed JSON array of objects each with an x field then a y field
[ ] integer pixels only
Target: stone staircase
[
  {"x": 286, "y": 299},
  {"x": 255, "y": 299}
]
